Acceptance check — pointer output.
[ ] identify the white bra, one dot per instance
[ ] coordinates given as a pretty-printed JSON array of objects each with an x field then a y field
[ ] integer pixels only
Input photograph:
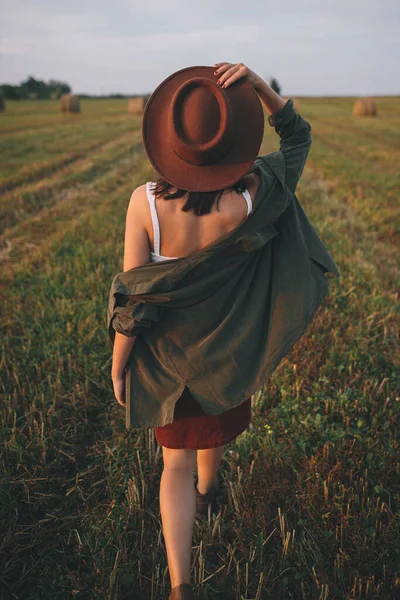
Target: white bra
[{"x": 156, "y": 256}]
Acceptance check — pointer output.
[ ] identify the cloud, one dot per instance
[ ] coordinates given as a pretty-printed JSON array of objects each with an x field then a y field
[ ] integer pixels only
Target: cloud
[
  {"x": 9, "y": 47},
  {"x": 131, "y": 45}
]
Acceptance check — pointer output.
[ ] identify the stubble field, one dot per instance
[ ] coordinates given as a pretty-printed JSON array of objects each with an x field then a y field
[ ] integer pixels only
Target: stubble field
[{"x": 311, "y": 490}]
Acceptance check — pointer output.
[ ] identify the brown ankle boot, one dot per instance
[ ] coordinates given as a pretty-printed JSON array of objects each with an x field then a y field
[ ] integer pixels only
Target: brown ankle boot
[
  {"x": 204, "y": 500},
  {"x": 182, "y": 592}
]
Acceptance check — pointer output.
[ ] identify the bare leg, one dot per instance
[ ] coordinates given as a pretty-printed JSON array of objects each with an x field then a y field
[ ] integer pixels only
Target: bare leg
[
  {"x": 178, "y": 509},
  {"x": 208, "y": 462}
]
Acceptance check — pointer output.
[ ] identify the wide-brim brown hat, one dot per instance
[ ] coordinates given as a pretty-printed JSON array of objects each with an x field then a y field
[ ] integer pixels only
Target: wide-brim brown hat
[{"x": 199, "y": 136}]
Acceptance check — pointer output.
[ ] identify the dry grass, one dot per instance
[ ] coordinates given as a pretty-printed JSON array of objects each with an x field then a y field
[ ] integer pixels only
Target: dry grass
[{"x": 310, "y": 496}]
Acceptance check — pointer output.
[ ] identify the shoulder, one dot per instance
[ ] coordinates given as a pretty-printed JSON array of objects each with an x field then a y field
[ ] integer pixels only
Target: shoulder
[
  {"x": 253, "y": 181},
  {"x": 269, "y": 168},
  {"x": 138, "y": 198},
  {"x": 138, "y": 208}
]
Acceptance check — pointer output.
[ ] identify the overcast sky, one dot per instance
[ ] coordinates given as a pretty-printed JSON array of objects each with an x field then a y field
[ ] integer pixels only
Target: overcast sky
[{"x": 313, "y": 47}]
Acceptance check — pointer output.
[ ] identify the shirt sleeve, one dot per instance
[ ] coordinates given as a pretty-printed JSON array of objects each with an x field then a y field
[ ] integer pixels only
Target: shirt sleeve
[
  {"x": 295, "y": 141},
  {"x": 127, "y": 314}
]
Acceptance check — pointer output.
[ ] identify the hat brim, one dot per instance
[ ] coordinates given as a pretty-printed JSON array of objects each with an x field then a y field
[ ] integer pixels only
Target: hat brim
[{"x": 249, "y": 130}]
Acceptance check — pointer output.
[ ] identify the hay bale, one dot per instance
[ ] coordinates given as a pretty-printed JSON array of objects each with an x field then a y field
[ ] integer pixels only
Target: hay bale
[
  {"x": 136, "y": 105},
  {"x": 69, "y": 103},
  {"x": 364, "y": 107},
  {"x": 295, "y": 103},
  {"x": 2, "y": 104}
]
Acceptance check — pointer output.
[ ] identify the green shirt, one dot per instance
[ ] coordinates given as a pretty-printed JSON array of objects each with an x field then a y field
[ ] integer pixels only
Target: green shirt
[{"x": 221, "y": 319}]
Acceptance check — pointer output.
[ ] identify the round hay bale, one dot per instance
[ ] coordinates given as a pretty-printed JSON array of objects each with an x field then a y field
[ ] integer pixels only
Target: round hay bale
[
  {"x": 296, "y": 103},
  {"x": 64, "y": 103},
  {"x": 69, "y": 103},
  {"x": 364, "y": 107},
  {"x": 74, "y": 104},
  {"x": 2, "y": 104},
  {"x": 136, "y": 105}
]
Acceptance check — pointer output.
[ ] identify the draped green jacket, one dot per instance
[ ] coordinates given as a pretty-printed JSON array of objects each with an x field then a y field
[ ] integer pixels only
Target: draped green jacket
[{"x": 221, "y": 319}]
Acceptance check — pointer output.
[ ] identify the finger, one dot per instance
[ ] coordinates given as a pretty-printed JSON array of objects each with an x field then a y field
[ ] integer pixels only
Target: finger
[
  {"x": 228, "y": 74},
  {"x": 238, "y": 75},
  {"x": 120, "y": 401},
  {"x": 224, "y": 67}
]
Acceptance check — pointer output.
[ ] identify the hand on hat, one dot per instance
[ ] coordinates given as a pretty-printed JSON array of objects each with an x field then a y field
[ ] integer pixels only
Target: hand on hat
[{"x": 228, "y": 73}]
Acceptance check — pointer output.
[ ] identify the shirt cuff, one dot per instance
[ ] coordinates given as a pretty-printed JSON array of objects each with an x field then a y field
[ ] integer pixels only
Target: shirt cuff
[{"x": 283, "y": 115}]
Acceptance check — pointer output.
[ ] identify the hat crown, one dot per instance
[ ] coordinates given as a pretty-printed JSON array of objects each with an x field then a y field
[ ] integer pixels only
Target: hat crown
[
  {"x": 200, "y": 115},
  {"x": 201, "y": 124}
]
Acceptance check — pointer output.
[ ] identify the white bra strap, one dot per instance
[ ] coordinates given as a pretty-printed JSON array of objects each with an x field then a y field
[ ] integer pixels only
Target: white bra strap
[
  {"x": 247, "y": 196},
  {"x": 156, "y": 227}
]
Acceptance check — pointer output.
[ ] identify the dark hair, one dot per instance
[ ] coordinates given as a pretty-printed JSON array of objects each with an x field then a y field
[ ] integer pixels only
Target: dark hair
[{"x": 199, "y": 202}]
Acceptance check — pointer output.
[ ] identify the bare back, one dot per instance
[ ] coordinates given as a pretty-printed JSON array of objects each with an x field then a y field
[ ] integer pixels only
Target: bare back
[{"x": 184, "y": 232}]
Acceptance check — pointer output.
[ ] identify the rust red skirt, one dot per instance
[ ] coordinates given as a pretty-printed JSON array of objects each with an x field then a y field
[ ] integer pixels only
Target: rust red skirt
[{"x": 194, "y": 429}]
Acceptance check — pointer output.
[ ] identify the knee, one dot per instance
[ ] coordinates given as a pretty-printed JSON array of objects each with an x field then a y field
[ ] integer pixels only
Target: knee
[{"x": 180, "y": 460}]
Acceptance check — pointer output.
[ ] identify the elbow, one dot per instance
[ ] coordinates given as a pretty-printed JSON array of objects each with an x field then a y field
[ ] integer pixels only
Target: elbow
[
  {"x": 303, "y": 133},
  {"x": 307, "y": 137},
  {"x": 307, "y": 130}
]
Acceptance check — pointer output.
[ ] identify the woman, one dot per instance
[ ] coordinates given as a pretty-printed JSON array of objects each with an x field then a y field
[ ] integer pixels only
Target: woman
[{"x": 239, "y": 278}]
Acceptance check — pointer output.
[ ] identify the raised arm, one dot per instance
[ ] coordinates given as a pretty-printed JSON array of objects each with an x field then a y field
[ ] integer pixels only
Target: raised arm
[
  {"x": 293, "y": 129},
  {"x": 295, "y": 141}
]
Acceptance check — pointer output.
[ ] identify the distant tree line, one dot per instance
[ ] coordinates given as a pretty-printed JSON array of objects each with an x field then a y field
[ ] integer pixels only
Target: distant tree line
[
  {"x": 34, "y": 88},
  {"x": 275, "y": 85},
  {"x": 102, "y": 97}
]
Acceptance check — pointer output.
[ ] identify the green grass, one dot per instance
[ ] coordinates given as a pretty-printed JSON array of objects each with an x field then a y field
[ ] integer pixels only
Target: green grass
[
  {"x": 311, "y": 488},
  {"x": 36, "y": 138},
  {"x": 360, "y": 158}
]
